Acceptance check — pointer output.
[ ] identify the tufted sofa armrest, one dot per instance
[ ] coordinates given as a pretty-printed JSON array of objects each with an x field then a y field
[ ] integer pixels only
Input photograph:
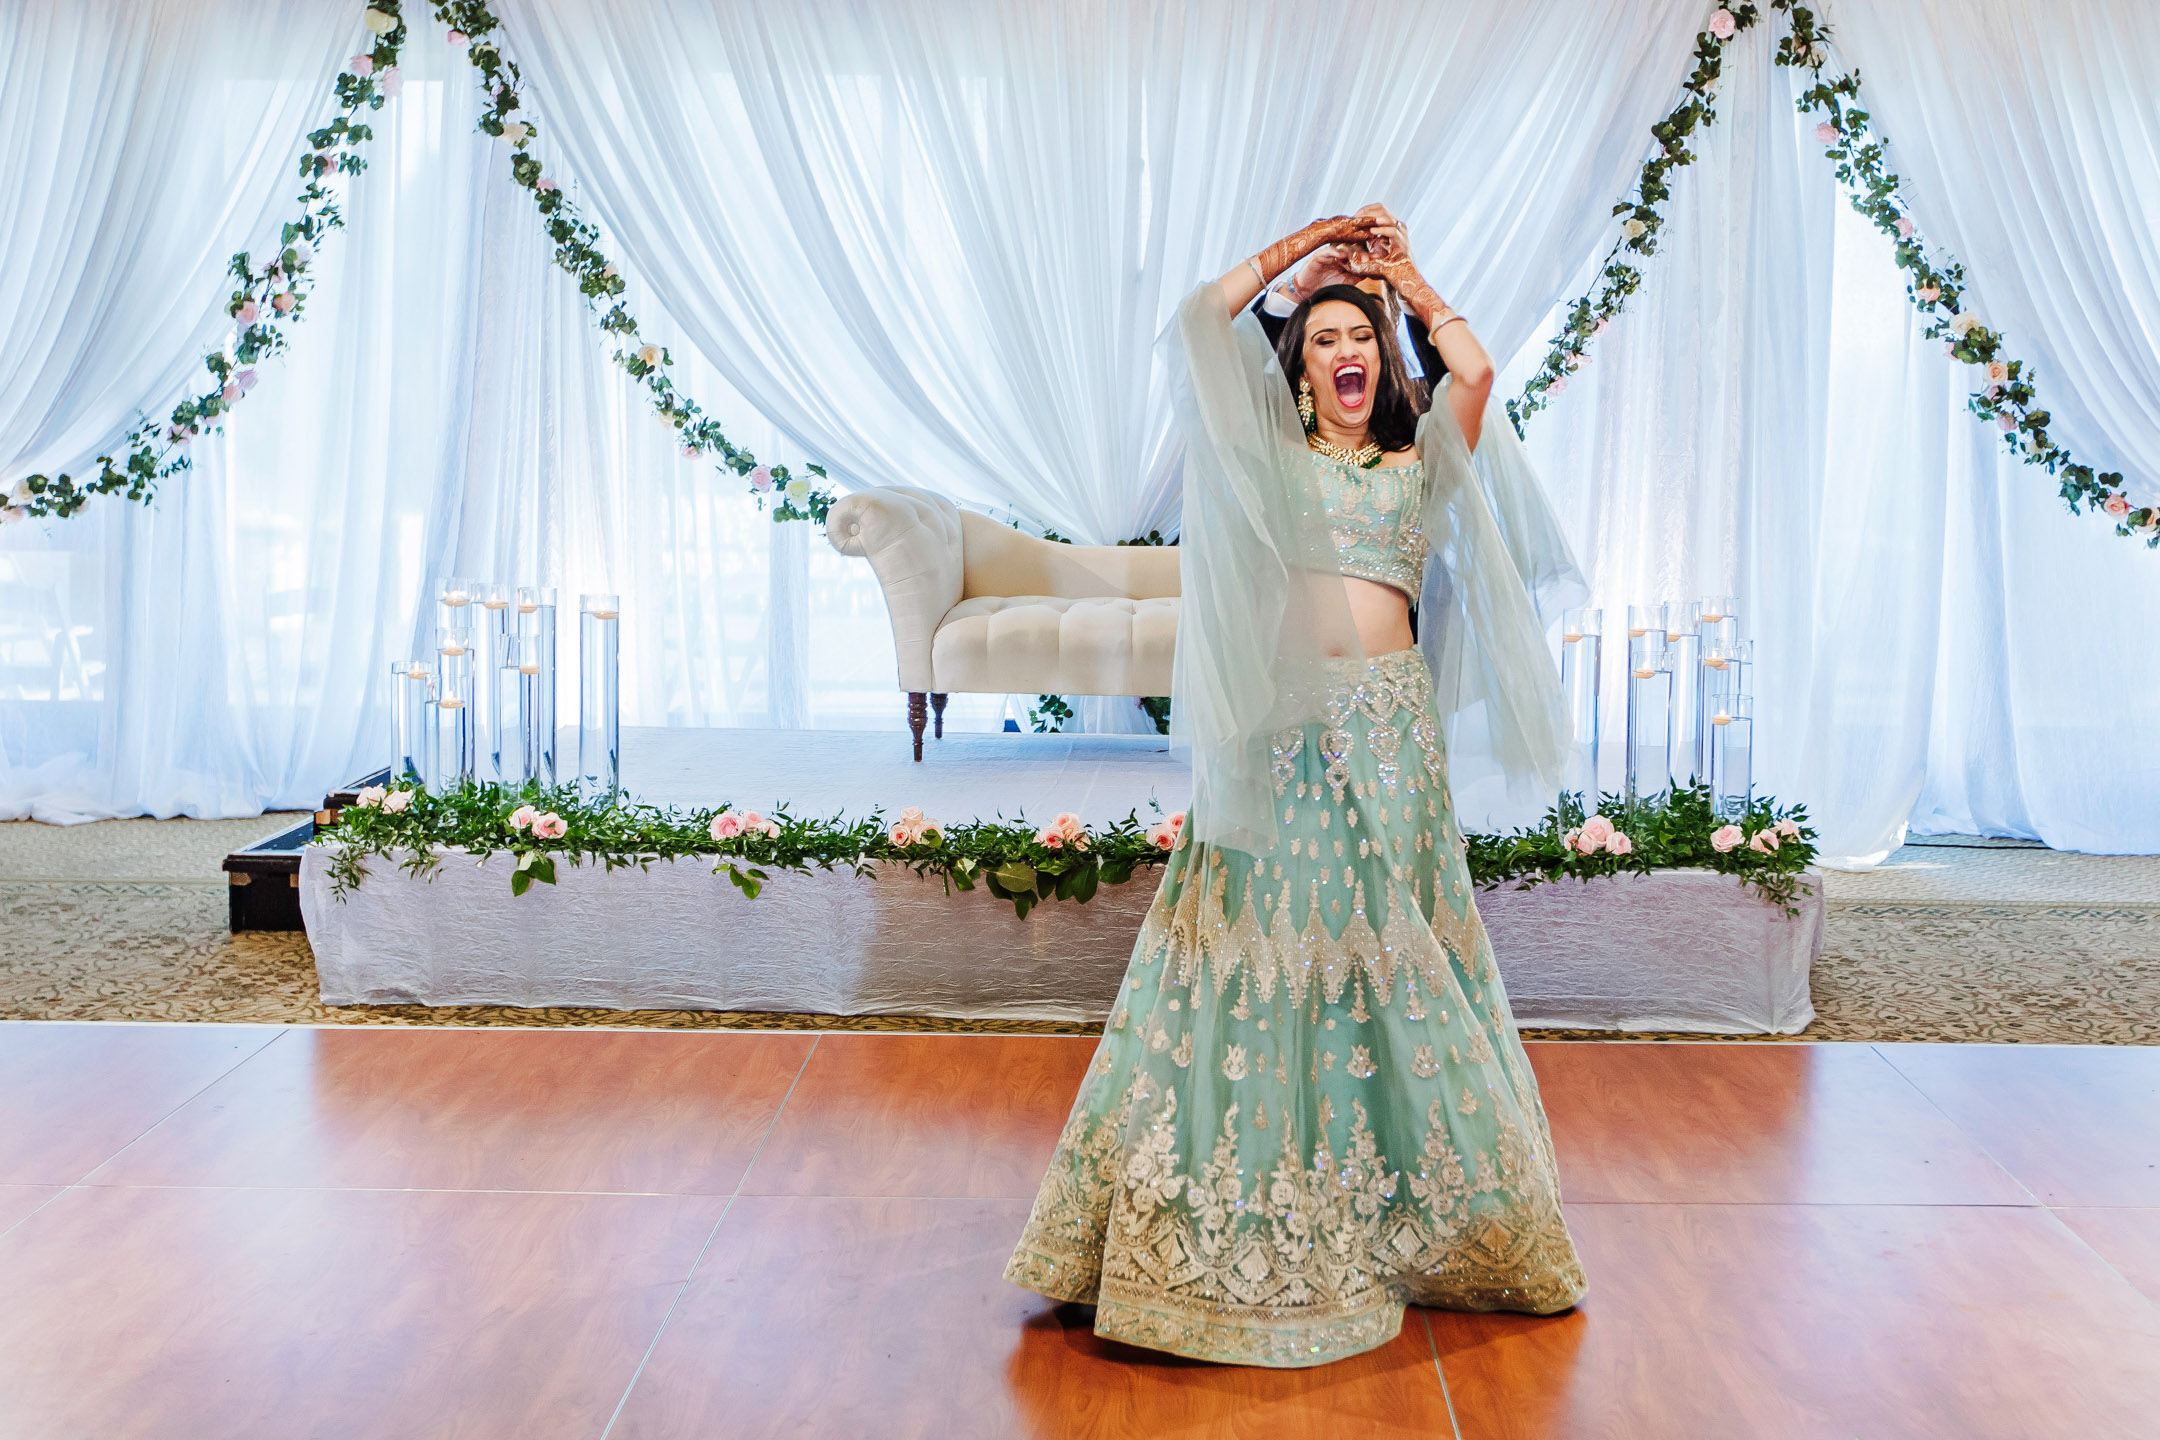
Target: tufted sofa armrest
[{"x": 912, "y": 540}]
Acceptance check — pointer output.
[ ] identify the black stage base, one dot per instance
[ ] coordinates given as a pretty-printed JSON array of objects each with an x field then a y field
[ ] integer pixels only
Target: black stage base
[{"x": 263, "y": 881}]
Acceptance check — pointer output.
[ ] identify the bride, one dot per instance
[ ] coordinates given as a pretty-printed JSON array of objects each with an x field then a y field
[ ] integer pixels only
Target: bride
[{"x": 1310, "y": 1106}]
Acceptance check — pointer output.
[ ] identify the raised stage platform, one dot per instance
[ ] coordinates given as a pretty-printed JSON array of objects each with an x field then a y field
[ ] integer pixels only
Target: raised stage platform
[{"x": 1680, "y": 950}]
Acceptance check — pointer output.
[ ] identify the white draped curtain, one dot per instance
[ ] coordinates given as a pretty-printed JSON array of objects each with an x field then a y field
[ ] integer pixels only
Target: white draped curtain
[{"x": 934, "y": 243}]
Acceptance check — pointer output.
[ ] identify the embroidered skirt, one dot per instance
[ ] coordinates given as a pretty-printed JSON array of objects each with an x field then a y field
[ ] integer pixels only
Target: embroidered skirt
[{"x": 1310, "y": 1106}]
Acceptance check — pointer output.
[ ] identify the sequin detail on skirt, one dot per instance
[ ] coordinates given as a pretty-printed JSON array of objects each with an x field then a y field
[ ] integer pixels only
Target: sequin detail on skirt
[{"x": 1310, "y": 1106}]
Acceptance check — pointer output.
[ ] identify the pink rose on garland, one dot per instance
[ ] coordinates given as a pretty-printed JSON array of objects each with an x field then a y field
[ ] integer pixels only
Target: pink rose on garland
[
  {"x": 1619, "y": 844},
  {"x": 1997, "y": 372},
  {"x": 390, "y": 82},
  {"x": 523, "y": 817},
  {"x": 2116, "y": 505},
  {"x": 1787, "y": 829},
  {"x": 1928, "y": 294},
  {"x": 903, "y": 835},
  {"x": 1723, "y": 25},
  {"x": 2006, "y": 423},
  {"x": 1826, "y": 132},
  {"x": 245, "y": 379},
  {"x": 1726, "y": 839},
  {"x": 1904, "y": 226},
  {"x": 1558, "y": 387},
  {"x": 283, "y": 301},
  {"x": 543, "y": 184},
  {"x": 361, "y": 65},
  {"x": 247, "y": 312},
  {"x": 1764, "y": 841},
  {"x": 549, "y": 826},
  {"x": 370, "y": 796},
  {"x": 1049, "y": 839},
  {"x": 726, "y": 825},
  {"x": 396, "y": 801},
  {"x": 1071, "y": 830},
  {"x": 1594, "y": 835},
  {"x": 459, "y": 39},
  {"x": 761, "y": 479},
  {"x": 758, "y": 824},
  {"x": 230, "y": 392}
]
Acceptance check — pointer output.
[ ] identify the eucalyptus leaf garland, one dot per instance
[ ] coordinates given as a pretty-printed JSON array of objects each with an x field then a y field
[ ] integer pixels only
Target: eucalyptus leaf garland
[
  {"x": 417, "y": 831},
  {"x": 2006, "y": 393},
  {"x": 274, "y": 293}
]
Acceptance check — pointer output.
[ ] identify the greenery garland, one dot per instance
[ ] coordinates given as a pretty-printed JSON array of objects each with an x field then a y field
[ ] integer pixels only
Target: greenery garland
[
  {"x": 2006, "y": 396},
  {"x": 276, "y": 292},
  {"x": 1020, "y": 864}
]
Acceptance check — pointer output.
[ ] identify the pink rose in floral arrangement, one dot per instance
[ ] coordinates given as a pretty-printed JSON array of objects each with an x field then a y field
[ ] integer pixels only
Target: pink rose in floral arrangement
[
  {"x": 543, "y": 184},
  {"x": 761, "y": 479},
  {"x": 1558, "y": 387},
  {"x": 390, "y": 82},
  {"x": 903, "y": 835},
  {"x": 1596, "y": 831},
  {"x": 283, "y": 301},
  {"x": 758, "y": 824},
  {"x": 1604, "y": 323},
  {"x": 1904, "y": 226},
  {"x": 549, "y": 826},
  {"x": 1997, "y": 371},
  {"x": 1723, "y": 25},
  {"x": 361, "y": 65},
  {"x": 1826, "y": 133},
  {"x": 1763, "y": 841},
  {"x": 1787, "y": 829},
  {"x": 523, "y": 817},
  {"x": 1071, "y": 830},
  {"x": 458, "y": 39},
  {"x": 726, "y": 825},
  {"x": 1726, "y": 839},
  {"x": 2116, "y": 505},
  {"x": 247, "y": 312},
  {"x": 370, "y": 796},
  {"x": 1619, "y": 844},
  {"x": 1049, "y": 839},
  {"x": 231, "y": 392},
  {"x": 397, "y": 800},
  {"x": 2006, "y": 423},
  {"x": 1161, "y": 836}
]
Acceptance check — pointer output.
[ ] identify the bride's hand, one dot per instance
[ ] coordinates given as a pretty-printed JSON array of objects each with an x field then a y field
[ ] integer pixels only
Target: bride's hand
[
  {"x": 1344, "y": 230},
  {"x": 1324, "y": 267},
  {"x": 1393, "y": 264}
]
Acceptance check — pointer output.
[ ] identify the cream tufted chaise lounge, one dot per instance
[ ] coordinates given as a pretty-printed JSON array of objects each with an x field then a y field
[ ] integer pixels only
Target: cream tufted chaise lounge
[{"x": 980, "y": 608}]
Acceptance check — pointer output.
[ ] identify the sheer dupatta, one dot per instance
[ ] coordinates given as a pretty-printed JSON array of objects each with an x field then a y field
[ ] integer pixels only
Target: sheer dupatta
[
  {"x": 1263, "y": 610},
  {"x": 1491, "y": 588}
]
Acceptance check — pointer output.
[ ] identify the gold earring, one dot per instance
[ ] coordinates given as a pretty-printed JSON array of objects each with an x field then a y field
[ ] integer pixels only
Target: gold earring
[{"x": 1305, "y": 404}]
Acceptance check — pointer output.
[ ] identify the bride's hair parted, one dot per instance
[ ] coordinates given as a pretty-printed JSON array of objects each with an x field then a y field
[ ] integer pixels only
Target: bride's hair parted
[{"x": 1398, "y": 401}]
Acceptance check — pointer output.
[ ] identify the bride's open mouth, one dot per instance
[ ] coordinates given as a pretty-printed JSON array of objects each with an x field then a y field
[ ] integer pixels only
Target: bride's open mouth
[{"x": 1350, "y": 384}]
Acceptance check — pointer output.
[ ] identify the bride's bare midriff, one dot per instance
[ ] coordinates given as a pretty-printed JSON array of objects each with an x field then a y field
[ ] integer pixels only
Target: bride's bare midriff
[{"x": 1381, "y": 614}]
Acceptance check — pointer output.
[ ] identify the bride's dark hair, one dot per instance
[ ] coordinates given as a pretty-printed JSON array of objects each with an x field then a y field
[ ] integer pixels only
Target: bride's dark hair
[{"x": 1397, "y": 401}]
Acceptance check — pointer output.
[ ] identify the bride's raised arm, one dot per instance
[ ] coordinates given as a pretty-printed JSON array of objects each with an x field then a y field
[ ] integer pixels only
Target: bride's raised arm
[
  {"x": 1467, "y": 362},
  {"x": 1249, "y": 277}
]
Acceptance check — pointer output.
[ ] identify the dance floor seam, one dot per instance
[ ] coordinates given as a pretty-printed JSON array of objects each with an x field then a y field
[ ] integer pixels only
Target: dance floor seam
[{"x": 690, "y": 1275}]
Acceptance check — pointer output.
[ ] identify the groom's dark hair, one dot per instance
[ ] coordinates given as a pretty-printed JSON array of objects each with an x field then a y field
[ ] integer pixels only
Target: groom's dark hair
[{"x": 1397, "y": 403}]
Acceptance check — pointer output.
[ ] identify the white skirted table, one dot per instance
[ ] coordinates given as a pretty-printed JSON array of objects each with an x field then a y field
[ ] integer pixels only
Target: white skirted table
[{"x": 1686, "y": 950}]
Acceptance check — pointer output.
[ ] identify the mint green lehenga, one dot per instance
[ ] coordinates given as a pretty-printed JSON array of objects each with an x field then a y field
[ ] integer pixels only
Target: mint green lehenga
[{"x": 1310, "y": 1106}]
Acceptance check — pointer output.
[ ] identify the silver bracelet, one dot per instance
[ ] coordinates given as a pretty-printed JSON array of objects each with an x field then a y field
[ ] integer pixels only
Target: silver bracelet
[
  {"x": 1254, "y": 261},
  {"x": 1451, "y": 319}
]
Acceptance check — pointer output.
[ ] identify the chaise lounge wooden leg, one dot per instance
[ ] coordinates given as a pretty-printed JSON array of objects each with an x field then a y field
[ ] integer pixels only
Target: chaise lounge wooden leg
[
  {"x": 937, "y": 707},
  {"x": 918, "y": 716}
]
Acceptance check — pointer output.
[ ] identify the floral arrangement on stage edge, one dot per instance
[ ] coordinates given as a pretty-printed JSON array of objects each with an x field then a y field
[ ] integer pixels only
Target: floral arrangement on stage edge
[
  {"x": 2006, "y": 394},
  {"x": 1021, "y": 864},
  {"x": 277, "y": 291},
  {"x": 1767, "y": 849}
]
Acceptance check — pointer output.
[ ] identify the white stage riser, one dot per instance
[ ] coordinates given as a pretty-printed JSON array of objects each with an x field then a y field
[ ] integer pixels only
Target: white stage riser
[{"x": 1681, "y": 950}]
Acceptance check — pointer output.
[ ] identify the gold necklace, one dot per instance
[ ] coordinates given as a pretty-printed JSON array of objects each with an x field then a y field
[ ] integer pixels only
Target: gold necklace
[{"x": 1363, "y": 458}]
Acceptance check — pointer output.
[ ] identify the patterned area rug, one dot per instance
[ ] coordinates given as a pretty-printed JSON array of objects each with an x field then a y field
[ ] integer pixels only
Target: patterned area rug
[{"x": 127, "y": 921}]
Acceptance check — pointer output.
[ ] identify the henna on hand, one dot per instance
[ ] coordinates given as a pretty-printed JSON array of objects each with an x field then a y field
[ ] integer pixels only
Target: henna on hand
[
  {"x": 1287, "y": 251},
  {"x": 1396, "y": 268}
]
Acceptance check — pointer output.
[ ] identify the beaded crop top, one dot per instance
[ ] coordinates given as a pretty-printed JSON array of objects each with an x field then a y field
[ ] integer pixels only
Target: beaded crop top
[{"x": 1377, "y": 519}]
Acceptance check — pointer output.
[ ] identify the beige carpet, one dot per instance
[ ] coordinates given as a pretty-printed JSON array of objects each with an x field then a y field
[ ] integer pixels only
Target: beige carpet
[{"x": 126, "y": 920}]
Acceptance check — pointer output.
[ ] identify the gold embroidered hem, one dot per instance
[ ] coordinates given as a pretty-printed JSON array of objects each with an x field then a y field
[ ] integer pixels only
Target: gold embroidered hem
[{"x": 1310, "y": 1106}]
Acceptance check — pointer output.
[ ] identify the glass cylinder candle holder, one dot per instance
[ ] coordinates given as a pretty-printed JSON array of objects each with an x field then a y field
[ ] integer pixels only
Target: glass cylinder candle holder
[
  {"x": 491, "y": 633},
  {"x": 1581, "y": 653},
  {"x": 600, "y": 694},
  {"x": 535, "y": 609},
  {"x": 1683, "y": 722},
  {"x": 1719, "y": 700},
  {"x": 457, "y": 752},
  {"x": 511, "y": 736},
  {"x": 454, "y": 606},
  {"x": 1732, "y": 753},
  {"x": 413, "y": 700},
  {"x": 1649, "y": 698}
]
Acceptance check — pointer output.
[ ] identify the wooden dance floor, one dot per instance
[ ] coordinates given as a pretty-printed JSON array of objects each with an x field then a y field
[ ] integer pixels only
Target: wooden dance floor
[{"x": 255, "y": 1232}]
